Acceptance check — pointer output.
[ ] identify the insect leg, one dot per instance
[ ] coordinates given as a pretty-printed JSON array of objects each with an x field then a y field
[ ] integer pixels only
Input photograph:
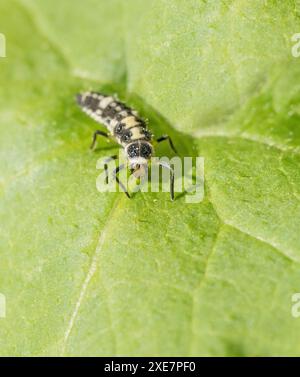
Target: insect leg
[
  {"x": 106, "y": 161},
  {"x": 167, "y": 166},
  {"x": 98, "y": 132},
  {"x": 167, "y": 137},
  {"x": 115, "y": 172}
]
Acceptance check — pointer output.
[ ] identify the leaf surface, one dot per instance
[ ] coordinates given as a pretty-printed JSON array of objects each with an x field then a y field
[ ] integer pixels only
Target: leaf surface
[{"x": 86, "y": 273}]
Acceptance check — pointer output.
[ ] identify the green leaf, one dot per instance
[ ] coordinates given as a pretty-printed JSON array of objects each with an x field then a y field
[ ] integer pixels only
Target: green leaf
[{"x": 85, "y": 273}]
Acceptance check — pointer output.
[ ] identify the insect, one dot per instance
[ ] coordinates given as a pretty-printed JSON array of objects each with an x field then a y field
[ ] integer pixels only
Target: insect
[{"x": 129, "y": 130}]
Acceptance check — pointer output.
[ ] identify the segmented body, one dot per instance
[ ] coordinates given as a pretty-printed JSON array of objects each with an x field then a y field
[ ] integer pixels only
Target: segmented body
[{"x": 123, "y": 123}]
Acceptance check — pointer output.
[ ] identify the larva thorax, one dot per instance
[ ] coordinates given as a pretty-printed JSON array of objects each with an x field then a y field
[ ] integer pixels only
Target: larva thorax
[{"x": 123, "y": 123}]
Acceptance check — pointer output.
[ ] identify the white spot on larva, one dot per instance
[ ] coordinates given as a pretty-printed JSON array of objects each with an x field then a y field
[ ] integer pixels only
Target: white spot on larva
[
  {"x": 105, "y": 101},
  {"x": 136, "y": 133},
  {"x": 130, "y": 121},
  {"x": 83, "y": 96},
  {"x": 113, "y": 122},
  {"x": 95, "y": 95}
]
